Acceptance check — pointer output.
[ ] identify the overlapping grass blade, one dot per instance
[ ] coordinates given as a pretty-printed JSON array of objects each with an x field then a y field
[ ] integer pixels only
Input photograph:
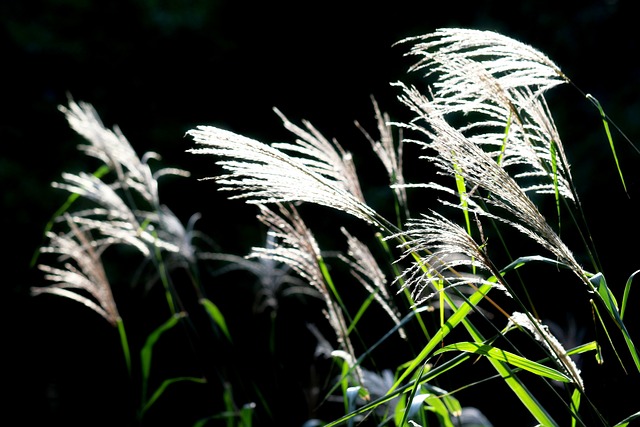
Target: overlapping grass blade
[{"x": 507, "y": 357}]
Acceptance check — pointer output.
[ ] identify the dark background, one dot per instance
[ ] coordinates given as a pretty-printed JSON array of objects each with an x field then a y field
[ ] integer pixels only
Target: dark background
[{"x": 159, "y": 68}]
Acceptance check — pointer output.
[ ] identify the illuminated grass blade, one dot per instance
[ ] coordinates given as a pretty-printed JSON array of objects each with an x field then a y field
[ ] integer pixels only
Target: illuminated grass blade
[
  {"x": 125, "y": 344},
  {"x": 626, "y": 421},
  {"x": 507, "y": 357},
  {"x": 625, "y": 296},
  {"x": 611, "y": 305},
  {"x": 575, "y": 406},
  {"x": 605, "y": 122},
  {"x": 147, "y": 352},
  {"x": 216, "y": 316},
  {"x": 455, "y": 319}
]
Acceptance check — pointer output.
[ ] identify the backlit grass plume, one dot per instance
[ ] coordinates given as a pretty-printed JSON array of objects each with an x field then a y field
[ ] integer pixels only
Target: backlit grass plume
[
  {"x": 365, "y": 268},
  {"x": 452, "y": 258},
  {"x": 501, "y": 82},
  {"x": 82, "y": 278},
  {"x": 542, "y": 334},
  {"x": 295, "y": 246},
  {"x": 127, "y": 208},
  {"x": 389, "y": 153},
  {"x": 316, "y": 172},
  {"x": 457, "y": 155},
  {"x": 113, "y": 148}
]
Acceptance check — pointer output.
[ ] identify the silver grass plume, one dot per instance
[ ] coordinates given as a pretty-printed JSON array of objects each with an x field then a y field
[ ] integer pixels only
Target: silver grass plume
[
  {"x": 113, "y": 218},
  {"x": 83, "y": 278},
  {"x": 316, "y": 172},
  {"x": 457, "y": 155},
  {"x": 367, "y": 271},
  {"x": 116, "y": 217},
  {"x": 327, "y": 158},
  {"x": 453, "y": 258},
  {"x": 112, "y": 148},
  {"x": 296, "y": 247},
  {"x": 542, "y": 334},
  {"x": 388, "y": 153},
  {"x": 502, "y": 81},
  {"x": 510, "y": 63}
]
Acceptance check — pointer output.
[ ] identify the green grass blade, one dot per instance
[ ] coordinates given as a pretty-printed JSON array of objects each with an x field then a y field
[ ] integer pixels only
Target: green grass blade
[
  {"x": 413, "y": 398},
  {"x": 216, "y": 316},
  {"x": 166, "y": 383},
  {"x": 505, "y": 138},
  {"x": 124, "y": 342},
  {"x": 610, "y": 303},
  {"x": 455, "y": 319},
  {"x": 606, "y": 331},
  {"x": 246, "y": 414},
  {"x": 363, "y": 308},
  {"x": 590, "y": 346},
  {"x": 575, "y": 406},
  {"x": 506, "y": 357},
  {"x": 462, "y": 193},
  {"x": 147, "y": 351},
  {"x": 527, "y": 259},
  {"x": 428, "y": 376},
  {"x": 605, "y": 122},
  {"x": 625, "y": 296},
  {"x": 519, "y": 389},
  {"x": 415, "y": 409},
  {"x": 626, "y": 421}
]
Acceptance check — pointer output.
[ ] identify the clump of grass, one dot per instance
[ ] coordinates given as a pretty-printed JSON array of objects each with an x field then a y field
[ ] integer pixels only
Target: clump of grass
[{"x": 485, "y": 128}]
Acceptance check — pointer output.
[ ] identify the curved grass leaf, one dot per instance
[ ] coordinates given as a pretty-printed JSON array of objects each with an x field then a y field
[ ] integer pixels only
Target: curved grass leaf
[
  {"x": 415, "y": 408},
  {"x": 626, "y": 421},
  {"x": 507, "y": 357},
  {"x": 455, "y": 319},
  {"x": 605, "y": 123},
  {"x": 400, "y": 391},
  {"x": 575, "y": 406},
  {"x": 414, "y": 398},
  {"x": 124, "y": 342},
  {"x": 147, "y": 352},
  {"x": 625, "y": 296},
  {"x": 216, "y": 315},
  {"x": 531, "y": 258},
  {"x": 611, "y": 305},
  {"x": 166, "y": 383},
  {"x": 519, "y": 389}
]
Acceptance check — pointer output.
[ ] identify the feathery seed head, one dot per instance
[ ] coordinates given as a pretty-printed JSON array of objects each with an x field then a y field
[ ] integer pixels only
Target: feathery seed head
[
  {"x": 453, "y": 257},
  {"x": 389, "y": 155},
  {"x": 542, "y": 334},
  {"x": 501, "y": 81},
  {"x": 317, "y": 172},
  {"x": 83, "y": 273},
  {"x": 366, "y": 270}
]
